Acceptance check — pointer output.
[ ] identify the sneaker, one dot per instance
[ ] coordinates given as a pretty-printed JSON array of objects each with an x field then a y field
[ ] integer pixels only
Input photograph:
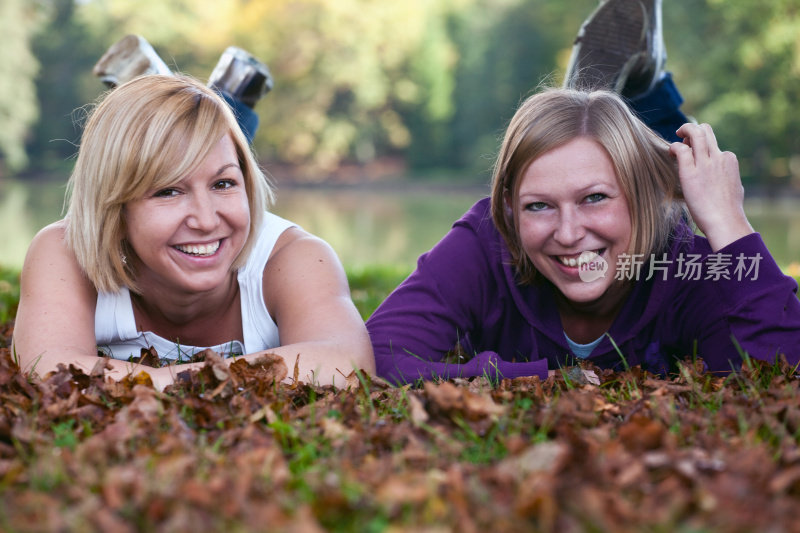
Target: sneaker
[
  {"x": 128, "y": 58},
  {"x": 619, "y": 47},
  {"x": 241, "y": 75}
]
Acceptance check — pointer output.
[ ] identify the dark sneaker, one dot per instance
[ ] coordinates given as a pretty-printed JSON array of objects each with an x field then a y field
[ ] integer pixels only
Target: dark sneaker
[
  {"x": 619, "y": 47},
  {"x": 128, "y": 58},
  {"x": 241, "y": 75}
]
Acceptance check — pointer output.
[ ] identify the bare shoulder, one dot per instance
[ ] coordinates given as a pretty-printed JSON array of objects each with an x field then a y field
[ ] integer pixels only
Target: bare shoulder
[
  {"x": 299, "y": 250},
  {"x": 303, "y": 267},
  {"x": 49, "y": 254},
  {"x": 51, "y": 267},
  {"x": 296, "y": 240},
  {"x": 51, "y": 235}
]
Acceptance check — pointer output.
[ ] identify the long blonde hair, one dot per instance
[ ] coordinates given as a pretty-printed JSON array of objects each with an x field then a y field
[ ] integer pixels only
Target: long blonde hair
[{"x": 148, "y": 133}]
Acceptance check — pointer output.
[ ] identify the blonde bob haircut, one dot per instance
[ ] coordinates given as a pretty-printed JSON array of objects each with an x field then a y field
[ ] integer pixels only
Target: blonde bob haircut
[
  {"x": 647, "y": 173},
  {"x": 147, "y": 134}
]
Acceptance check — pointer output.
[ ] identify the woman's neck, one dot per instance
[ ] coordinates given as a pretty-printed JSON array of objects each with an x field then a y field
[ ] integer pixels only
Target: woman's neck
[
  {"x": 186, "y": 316},
  {"x": 584, "y": 322}
]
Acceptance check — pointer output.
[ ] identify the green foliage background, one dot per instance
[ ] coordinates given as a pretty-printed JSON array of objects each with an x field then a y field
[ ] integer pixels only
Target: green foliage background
[{"x": 428, "y": 84}]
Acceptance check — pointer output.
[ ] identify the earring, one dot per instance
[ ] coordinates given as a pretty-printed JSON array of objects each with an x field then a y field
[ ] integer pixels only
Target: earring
[{"x": 124, "y": 259}]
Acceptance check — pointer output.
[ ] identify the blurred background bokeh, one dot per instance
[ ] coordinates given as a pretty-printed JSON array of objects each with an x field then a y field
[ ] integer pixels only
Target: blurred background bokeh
[{"x": 379, "y": 91}]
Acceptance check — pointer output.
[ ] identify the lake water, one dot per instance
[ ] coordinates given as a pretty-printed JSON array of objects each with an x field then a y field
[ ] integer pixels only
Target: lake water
[{"x": 390, "y": 225}]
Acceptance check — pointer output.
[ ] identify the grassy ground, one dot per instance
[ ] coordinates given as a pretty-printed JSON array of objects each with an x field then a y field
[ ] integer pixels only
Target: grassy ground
[
  {"x": 369, "y": 286},
  {"x": 9, "y": 294},
  {"x": 232, "y": 450}
]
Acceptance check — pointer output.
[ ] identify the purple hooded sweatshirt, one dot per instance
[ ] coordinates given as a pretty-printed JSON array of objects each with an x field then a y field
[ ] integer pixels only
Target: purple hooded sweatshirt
[{"x": 695, "y": 303}]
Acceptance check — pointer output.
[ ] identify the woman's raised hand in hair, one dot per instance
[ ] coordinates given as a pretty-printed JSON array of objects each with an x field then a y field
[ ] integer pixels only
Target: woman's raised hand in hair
[{"x": 712, "y": 186}]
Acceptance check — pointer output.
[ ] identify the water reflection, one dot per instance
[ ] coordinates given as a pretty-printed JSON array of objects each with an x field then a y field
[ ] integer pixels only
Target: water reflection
[
  {"x": 26, "y": 207},
  {"x": 391, "y": 226},
  {"x": 377, "y": 227}
]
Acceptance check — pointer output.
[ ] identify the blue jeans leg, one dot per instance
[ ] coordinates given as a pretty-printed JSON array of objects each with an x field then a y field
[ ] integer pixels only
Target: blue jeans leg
[
  {"x": 246, "y": 117},
  {"x": 659, "y": 108}
]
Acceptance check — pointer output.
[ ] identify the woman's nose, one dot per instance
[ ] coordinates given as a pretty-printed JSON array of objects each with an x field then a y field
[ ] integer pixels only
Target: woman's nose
[
  {"x": 570, "y": 229},
  {"x": 203, "y": 212}
]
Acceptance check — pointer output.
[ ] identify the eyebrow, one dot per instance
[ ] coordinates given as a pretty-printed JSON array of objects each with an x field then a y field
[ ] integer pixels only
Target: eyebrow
[
  {"x": 225, "y": 167},
  {"x": 589, "y": 189}
]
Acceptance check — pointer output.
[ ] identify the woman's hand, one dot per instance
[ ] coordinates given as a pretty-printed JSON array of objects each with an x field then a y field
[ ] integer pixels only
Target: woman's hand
[
  {"x": 161, "y": 377},
  {"x": 711, "y": 185}
]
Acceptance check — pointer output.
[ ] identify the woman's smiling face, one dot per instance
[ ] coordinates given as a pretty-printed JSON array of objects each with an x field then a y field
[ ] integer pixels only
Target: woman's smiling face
[
  {"x": 187, "y": 237},
  {"x": 570, "y": 210}
]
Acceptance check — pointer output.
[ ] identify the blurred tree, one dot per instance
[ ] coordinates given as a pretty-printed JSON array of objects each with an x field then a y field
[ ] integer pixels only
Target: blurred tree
[
  {"x": 738, "y": 64},
  {"x": 73, "y": 36},
  {"x": 505, "y": 50},
  {"x": 343, "y": 69},
  {"x": 186, "y": 33},
  {"x": 65, "y": 85},
  {"x": 430, "y": 82},
  {"x": 18, "y": 67}
]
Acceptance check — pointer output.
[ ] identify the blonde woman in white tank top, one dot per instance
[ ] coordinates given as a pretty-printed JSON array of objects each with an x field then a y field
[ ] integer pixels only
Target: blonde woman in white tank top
[{"x": 167, "y": 243}]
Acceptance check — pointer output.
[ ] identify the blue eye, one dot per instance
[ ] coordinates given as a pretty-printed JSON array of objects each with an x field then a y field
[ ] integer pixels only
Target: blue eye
[
  {"x": 536, "y": 206},
  {"x": 596, "y": 197}
]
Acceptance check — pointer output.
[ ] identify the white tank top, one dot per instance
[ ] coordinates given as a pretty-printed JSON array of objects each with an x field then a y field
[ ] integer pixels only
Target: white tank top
[{"x": 115, "y": 326}]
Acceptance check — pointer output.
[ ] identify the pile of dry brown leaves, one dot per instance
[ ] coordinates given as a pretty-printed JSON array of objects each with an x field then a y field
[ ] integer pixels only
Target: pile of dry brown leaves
[{"x": 230, "y": 449}]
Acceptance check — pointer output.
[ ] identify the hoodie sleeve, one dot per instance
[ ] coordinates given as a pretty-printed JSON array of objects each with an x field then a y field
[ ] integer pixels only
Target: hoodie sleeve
[
  {"x": 760, "y": 311},
  {"x": 441, "y": 304}
]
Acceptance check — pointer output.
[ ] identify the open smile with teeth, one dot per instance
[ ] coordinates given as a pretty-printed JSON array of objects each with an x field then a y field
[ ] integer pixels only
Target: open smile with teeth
[
  {"x": 201, "y": 250},
  {"x": 585, "y": 257}
]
